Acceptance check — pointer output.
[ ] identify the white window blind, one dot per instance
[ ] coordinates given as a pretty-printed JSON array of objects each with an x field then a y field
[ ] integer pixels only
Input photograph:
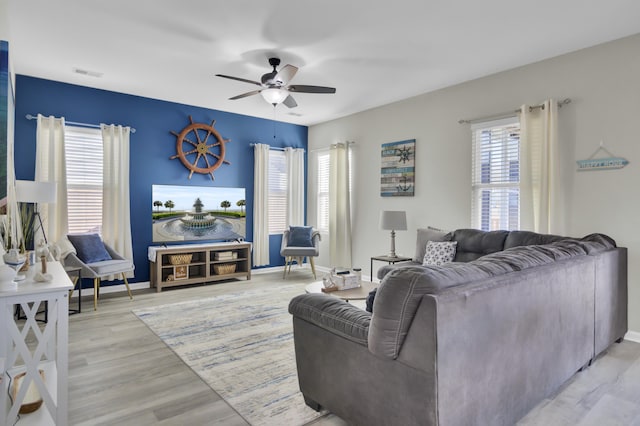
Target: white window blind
[
  {"x": 323, "y": 192},
  {"x": 323, "y": 165},
  {"x": 84, "y": 158},
  {"x": 496, "y": 175},
  {"x": 277, "y": 192}
]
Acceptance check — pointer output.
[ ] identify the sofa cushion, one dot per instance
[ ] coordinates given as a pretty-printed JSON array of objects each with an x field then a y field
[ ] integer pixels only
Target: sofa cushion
[
  {"x": 528, "y": 238},
  {"x": 473, "y": 243},
  {"x": 439, "y": 252},
  {"x": 596, "y": 243},
  {"x": 111, "y": 267},
  {"x": 524, "y": 257},
  {"x": 425, "y": 235}
]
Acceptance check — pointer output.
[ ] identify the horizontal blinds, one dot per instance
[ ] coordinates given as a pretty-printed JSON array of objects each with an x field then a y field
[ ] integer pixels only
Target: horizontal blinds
[
  {"x": 496, "y": 175},
  {"x": 323, "y": 165},
  {"x": 84, "y": 161},
  {"x": 323, "y": 192},
  {"x": 277, "y": 192}
]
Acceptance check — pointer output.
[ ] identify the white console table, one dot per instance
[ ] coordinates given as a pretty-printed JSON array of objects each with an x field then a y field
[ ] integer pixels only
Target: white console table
[{"x": 49, "y": 355}]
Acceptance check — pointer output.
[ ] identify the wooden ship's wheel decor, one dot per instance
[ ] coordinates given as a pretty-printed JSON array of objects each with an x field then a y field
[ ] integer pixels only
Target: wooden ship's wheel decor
[{"x": 194, "y": 150}]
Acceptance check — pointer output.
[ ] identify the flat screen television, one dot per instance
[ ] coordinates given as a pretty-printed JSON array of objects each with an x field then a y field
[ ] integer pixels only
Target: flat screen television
[{"x": 198, "y": 213}]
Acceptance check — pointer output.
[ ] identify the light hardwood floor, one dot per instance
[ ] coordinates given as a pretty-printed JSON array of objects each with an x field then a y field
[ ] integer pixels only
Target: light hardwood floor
[{"x": 120, "y": 373}]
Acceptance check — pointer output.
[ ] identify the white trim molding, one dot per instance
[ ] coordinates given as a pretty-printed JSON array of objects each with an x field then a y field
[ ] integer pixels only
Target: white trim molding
[
  {"x": 114, "y": 288},
  {"x": 632, "y": 336}
]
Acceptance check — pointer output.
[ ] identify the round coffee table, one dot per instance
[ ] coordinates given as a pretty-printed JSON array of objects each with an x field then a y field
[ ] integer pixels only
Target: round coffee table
[{"x": 358, "y": 293}]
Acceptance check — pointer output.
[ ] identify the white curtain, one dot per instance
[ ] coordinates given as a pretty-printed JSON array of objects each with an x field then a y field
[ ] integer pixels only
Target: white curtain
[
  {"x": 12, "y": 226},
  {"x": 116, "y": 218},
  {"x": 295, "y": 183},
  {"x": 261, "y": 205},
  {"x": 339, "y": 206},
  {"x": 51, "y": 166},
  {"x": 542, "y": 193}
]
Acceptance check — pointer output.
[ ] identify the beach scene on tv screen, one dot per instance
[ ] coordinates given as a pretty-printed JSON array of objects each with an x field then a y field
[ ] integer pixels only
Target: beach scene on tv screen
[{"x": 193, "y": 213}]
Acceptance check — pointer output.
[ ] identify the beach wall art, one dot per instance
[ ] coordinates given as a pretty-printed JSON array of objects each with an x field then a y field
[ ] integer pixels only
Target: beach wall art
[{"x": 398, "y": 169}]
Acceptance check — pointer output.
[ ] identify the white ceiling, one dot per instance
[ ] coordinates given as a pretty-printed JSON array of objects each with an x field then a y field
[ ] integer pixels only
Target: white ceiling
[{"x": 372, "y": 52}]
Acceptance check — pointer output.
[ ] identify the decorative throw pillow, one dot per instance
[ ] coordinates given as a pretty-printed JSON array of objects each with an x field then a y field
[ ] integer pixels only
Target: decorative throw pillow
[
  {"x": 438, "y": 253},
  {"x": 89, "y": 248},
  {"x": 300, "y": 236},
  {"x": 428, "y": 234}
]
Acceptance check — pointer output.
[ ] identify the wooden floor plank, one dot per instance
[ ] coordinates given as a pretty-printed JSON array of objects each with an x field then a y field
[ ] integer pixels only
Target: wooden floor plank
[{"x": 612, "y": 411}]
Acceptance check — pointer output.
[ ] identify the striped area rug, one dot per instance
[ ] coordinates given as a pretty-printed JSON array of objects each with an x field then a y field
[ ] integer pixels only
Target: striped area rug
[{"x": 241, "y": 345}]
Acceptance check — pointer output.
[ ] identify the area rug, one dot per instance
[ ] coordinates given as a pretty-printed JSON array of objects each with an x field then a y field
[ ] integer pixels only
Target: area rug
[{"x": 241, "y": 345}]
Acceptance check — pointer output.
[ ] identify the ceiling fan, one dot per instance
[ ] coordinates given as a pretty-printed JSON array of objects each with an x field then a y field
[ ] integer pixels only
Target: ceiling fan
[{"x": 275, "y": 88}]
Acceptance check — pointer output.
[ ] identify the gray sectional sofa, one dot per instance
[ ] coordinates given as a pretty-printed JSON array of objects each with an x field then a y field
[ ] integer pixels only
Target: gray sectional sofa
[{"x": 479, "y": 341}]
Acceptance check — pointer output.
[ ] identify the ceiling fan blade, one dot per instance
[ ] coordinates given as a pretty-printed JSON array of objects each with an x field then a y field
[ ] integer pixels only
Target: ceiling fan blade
[
  {"x": 299, "y": 88},
  {"x": 244, "y": 80},
  {"x": 290, "y": 102},
  {"x": 244, "y": 95},
  {"x": 285, "y": 75}
]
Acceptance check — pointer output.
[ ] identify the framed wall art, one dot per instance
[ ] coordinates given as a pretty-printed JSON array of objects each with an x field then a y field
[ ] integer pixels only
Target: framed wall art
[{"x": 398, "y": 169}]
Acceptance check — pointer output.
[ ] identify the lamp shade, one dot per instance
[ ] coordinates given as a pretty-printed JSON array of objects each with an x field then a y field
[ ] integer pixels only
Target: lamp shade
[
  {"x": 393, "y": 220},
  {"x": 28, "y": 191},
  {"x": 274, "y": 96}
]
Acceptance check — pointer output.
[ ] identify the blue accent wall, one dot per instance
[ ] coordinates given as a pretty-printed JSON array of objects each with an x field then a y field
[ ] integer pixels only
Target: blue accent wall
[
  {"x": 5, "y": 101},
  {"x": 151, "y": 146}
]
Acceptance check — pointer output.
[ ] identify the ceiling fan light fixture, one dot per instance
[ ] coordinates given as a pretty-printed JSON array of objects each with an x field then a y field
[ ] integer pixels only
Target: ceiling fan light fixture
[{"x": 274, "y": 96}]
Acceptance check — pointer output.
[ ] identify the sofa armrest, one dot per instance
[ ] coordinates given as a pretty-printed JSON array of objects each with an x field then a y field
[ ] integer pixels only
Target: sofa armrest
[
  {"x": 385, "y": 269},
  {"x": 332, "y": 314}
]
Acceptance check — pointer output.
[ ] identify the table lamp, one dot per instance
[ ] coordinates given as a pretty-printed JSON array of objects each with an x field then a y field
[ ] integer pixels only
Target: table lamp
[
  {"x": 393, "y": 221},
  {"x": 35, "y": 192}
]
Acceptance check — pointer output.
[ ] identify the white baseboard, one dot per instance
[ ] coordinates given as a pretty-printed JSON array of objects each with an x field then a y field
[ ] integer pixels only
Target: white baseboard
[
  {"x": 633, "y": 336},
  {"x": 268, "y": 270},
  {"x": 114, "y": 288},
  {"x": 146, "y": 284}
]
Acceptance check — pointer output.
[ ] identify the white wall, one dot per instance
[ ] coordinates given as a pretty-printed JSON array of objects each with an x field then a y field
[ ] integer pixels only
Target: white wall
[
  {"x": 4, "y": 20},
  {"x": 604, "y": 85}
]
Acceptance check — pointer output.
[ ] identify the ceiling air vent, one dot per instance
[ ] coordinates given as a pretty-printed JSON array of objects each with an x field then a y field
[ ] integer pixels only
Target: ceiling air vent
[{"x": 87, "y": 72}]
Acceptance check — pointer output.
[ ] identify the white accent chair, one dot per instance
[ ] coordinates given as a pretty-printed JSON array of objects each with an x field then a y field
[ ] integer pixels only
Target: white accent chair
[{"x": 115, "y": 266}]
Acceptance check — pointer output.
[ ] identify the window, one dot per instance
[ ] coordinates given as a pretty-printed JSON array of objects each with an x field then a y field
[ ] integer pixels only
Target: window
[
  {"x": 323, "y": 192},
  {"x": 323, "y": 164},
  {"x": 84, "y": 160},
  {"x": 496, "y": 175},
  {"x": 277, "y": 192}
]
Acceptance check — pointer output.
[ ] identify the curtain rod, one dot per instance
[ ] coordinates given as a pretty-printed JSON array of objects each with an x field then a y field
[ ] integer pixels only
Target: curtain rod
[
  {"x": 510, "y": 113},
  {"x": 276, "y": 148},
  {"x": 332, "y": 146},
  {"x": 75, "y": 123}
]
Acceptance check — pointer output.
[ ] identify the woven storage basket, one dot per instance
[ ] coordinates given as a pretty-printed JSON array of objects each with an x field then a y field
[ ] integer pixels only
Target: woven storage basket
[
  {"x": 180, "y": 259},
  {"x": 224, "y": 268}
]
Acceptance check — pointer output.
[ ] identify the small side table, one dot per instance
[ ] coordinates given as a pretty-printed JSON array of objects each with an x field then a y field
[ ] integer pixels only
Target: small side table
[
  {"x": 390, "y": 260},
  {"x": 75, "y": 274}
]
